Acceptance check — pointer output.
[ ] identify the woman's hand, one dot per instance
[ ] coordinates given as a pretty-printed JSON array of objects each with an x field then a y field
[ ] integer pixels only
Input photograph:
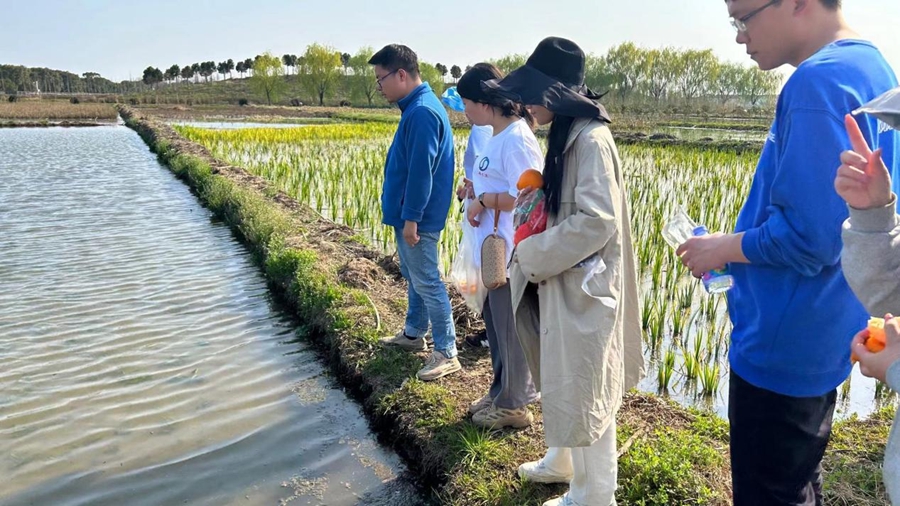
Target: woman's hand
[
  {"x": 876, "y": 365},
  {"x": 523, "y": 196},
  {"x": 465, "y": 190},
  {"x": 475, "y": 209}
]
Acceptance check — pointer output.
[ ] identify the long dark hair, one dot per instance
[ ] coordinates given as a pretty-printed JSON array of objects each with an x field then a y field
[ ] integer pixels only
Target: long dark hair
[
  {"x": 469, "y": 87},
  {"x": 555, "y": 161}
]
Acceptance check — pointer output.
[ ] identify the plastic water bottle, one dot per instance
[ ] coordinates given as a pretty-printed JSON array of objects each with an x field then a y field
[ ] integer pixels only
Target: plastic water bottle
[
  {"x": 716, "y": 280},
  {"x": 677, "y": 231}
]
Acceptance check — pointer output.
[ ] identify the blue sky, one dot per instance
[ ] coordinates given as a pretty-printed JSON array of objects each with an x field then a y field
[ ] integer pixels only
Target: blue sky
[{"x": 119, "y": 38}]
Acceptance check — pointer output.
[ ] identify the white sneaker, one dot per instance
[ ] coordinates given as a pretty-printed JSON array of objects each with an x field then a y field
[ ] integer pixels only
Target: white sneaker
[
  {"x": 400, "y": 340},
  {"x": 438, "y": 366},
  {"x": 562, "y": 500},
  {"x": 538, "y": 472}
]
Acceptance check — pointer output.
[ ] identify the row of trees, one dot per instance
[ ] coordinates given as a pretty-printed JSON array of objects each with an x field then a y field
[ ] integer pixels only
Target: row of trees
[
  {"x": 18, "y": 79},
  {"x": 669, "y": 74},
  {"x": 319, "y": 69},
  {"x": 631, "y": 73},
  {"x": 153, "y": 76}
]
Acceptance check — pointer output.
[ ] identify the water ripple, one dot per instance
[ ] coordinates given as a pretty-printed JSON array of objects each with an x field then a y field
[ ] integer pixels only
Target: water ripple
[{"x": 140, "y": 359}]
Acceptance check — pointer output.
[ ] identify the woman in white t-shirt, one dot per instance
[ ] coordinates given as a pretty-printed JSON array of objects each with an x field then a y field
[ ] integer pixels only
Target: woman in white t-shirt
[
  {"x": 478, "y": 140},
  {"x": 511, "y": 150}
]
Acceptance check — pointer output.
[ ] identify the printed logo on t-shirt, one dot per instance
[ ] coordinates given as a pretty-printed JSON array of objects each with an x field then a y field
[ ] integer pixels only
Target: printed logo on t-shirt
[
  {"x": 772, "y": 137},
  {"x": 484, "y": 164}
]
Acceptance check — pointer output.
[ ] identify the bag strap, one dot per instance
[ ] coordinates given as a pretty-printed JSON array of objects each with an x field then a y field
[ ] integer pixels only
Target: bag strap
[{"x": 496, "y": 212}]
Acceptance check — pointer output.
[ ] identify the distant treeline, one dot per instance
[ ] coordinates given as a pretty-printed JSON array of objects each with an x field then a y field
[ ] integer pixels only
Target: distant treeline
[{"x": 661, "y": 77}]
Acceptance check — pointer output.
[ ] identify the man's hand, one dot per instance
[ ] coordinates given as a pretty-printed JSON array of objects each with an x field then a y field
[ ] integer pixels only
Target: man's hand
[
  {"x": 411, "y": 233},
  {"x": 710, "y": 252},
  {"x": 863, "y": 180}
]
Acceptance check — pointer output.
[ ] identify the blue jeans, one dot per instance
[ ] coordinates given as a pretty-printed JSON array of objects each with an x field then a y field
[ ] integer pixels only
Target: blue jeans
[{"x": 426, "y": 293}]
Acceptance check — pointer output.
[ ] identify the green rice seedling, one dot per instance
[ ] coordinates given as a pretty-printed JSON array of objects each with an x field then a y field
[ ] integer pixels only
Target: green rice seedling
[
  {"x": 666, "y": 369},
  {"x": 698, "y": 347},
  {"x": 687, "y": 295},
  {"x": 657, "y": 323},
  {"x": 647, "y": 311},
  {"x": 678, "y": 316},
  {"x": 709, "y": 379},
  {"x": 845, "y": 388},
  {"x": 337, "y": 170},
  {"x": 691, "y": 366}
]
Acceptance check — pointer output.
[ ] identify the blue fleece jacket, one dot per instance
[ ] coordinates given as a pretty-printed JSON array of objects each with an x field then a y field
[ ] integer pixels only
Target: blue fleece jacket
[
  {"x": 793, "y": 313},
  {"x": 418, "y": 173}
]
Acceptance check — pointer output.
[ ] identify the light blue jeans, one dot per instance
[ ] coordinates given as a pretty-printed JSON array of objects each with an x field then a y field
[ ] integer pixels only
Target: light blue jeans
[{"x": 426, "y": 293}]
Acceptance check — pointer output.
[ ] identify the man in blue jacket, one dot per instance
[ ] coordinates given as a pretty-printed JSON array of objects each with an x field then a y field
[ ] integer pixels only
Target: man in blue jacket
[
  {"x": 415, "y": 200},
  {"x": 793, "y": 312}
]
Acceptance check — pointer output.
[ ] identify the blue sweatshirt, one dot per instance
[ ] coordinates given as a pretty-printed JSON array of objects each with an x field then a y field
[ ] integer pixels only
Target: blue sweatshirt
[
  {"x": 793, "y": 313},
  {"x": 418, "y": 173}
]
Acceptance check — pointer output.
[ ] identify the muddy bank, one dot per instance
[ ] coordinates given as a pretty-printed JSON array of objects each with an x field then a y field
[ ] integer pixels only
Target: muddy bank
[{"x": 348, "y": 296}]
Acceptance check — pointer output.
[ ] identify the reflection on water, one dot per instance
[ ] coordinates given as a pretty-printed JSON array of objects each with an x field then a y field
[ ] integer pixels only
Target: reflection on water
[{"x": 141, "y": 361}]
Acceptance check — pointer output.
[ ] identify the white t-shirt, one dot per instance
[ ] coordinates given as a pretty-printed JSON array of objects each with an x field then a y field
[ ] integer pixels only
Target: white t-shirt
[
  {"x": 497, "y": 169},
  {"x": 478, "y": 139}
]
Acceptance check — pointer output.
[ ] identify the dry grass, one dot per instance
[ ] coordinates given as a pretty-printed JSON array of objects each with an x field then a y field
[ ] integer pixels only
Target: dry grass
[{"x": 47, "y": 110}]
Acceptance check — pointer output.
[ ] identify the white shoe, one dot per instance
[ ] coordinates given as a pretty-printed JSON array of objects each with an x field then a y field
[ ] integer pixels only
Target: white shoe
[
  {"x": 538, "y": 472},
  {"x": 562, "y": 500}
]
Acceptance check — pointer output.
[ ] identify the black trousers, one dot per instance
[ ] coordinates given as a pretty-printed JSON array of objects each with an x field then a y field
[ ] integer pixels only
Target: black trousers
[{"x": 777, "y": 445}]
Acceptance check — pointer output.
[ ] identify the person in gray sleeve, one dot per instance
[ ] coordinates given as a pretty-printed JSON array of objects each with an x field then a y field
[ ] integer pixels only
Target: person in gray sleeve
[{"x": 871, "y": 263}]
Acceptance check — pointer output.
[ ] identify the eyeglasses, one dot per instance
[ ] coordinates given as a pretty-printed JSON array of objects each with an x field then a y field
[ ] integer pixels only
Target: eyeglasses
[
  {"x": 740, "y": 24},
  {"x": 382, "y": 78}
]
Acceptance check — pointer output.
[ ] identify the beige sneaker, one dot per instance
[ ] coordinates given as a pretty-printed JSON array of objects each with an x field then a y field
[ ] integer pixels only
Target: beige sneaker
[
  {"x": 438, "y": 366},
  {"x": 496, "y": 418},
  {"x": 400, "y": 340},
  {"x": 481, "y": 404}
]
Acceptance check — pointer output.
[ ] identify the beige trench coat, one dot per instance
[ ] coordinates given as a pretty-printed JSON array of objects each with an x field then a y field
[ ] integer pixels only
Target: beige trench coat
[{"x": 583, "y": 355}]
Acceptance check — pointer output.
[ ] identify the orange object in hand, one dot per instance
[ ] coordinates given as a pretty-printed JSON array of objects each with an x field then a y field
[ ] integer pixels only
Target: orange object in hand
[
  {"x": 876, "y": 339},
  {"x": 531, "y": 178}
]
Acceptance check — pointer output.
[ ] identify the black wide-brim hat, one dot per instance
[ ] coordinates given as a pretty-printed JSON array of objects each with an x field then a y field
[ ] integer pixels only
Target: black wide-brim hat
[{"x": 553, "y": 77}]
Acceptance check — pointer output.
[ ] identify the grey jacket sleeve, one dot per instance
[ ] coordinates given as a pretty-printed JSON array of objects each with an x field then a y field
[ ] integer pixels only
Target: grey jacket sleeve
[
  {"x": 871, "y": 257},
  {"x": 891, "y": 470}
]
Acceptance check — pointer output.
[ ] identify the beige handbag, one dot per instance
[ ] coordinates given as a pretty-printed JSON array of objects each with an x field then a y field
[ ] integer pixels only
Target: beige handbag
[{"x": 493, "y": 255}]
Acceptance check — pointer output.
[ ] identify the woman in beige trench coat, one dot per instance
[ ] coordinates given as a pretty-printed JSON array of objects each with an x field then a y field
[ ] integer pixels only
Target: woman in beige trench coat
[{"x": 582, "y": 340}]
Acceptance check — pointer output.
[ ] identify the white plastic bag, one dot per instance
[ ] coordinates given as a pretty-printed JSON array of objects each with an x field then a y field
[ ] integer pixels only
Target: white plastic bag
[
  {"x": 592, "y": 266},
  {"x": 464, "y": 273}
]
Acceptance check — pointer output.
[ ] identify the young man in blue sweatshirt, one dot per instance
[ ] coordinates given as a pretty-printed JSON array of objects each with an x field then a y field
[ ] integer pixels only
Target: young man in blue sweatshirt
[
  {"x": 792, "y": 310},
  {"x": 415, "y": 200}
]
